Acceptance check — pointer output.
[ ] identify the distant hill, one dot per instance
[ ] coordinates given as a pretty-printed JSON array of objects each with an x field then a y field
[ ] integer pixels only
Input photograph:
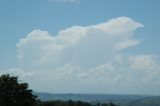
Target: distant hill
[{"x": 122, "y": 100}]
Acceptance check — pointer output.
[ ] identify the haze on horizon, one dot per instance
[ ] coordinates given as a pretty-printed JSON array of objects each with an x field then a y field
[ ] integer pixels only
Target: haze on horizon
[{"x": 82, "y": 46}]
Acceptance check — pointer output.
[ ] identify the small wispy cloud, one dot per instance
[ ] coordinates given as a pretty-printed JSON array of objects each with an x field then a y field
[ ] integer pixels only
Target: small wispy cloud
[{"x": 70, "y": 1}]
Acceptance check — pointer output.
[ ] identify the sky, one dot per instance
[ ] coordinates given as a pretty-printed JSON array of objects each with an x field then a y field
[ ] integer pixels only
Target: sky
[{"x": 82, "y": 46}]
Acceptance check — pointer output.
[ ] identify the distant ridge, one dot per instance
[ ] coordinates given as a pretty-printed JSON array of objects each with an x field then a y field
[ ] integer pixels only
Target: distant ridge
[
  {"x": 88, "y": 97},
  {"x": 122, "y": 100}
]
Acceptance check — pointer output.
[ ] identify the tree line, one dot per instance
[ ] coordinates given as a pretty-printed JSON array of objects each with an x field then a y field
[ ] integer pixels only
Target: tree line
[
  {"x": 14, "y": 93},
  {"x": 72, "y": 103}
]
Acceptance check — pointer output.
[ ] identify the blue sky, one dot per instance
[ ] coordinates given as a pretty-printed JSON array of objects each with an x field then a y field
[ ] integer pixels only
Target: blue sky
[{"x": 20, "y": 17}]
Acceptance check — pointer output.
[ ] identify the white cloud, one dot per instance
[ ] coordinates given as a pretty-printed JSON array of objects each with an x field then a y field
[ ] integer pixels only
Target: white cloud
[
  {"x": 81, "y": 46},
  {"x": 126, "y": 44},
  {"x": 146, "y": 65},
  {"x": 79, "y": 58},
  {"x": 142, "y": 62}
]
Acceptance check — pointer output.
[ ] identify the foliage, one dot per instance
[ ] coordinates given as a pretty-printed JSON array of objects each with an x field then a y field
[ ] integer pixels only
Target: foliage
[
  {"x": 13, "y": 93},
  {"x": 72, "y": 103}
]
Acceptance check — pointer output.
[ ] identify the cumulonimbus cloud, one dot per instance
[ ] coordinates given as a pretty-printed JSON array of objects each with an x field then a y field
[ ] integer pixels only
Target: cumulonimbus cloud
[
  {"x": 81, "y": 46},
  {"x": 79, "y": 58}
]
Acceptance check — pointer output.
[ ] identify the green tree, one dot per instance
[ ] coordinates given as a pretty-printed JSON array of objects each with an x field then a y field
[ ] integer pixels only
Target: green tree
[
  {"x": 70, "y": 103},
  {"x": 13, "y": 93}
]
